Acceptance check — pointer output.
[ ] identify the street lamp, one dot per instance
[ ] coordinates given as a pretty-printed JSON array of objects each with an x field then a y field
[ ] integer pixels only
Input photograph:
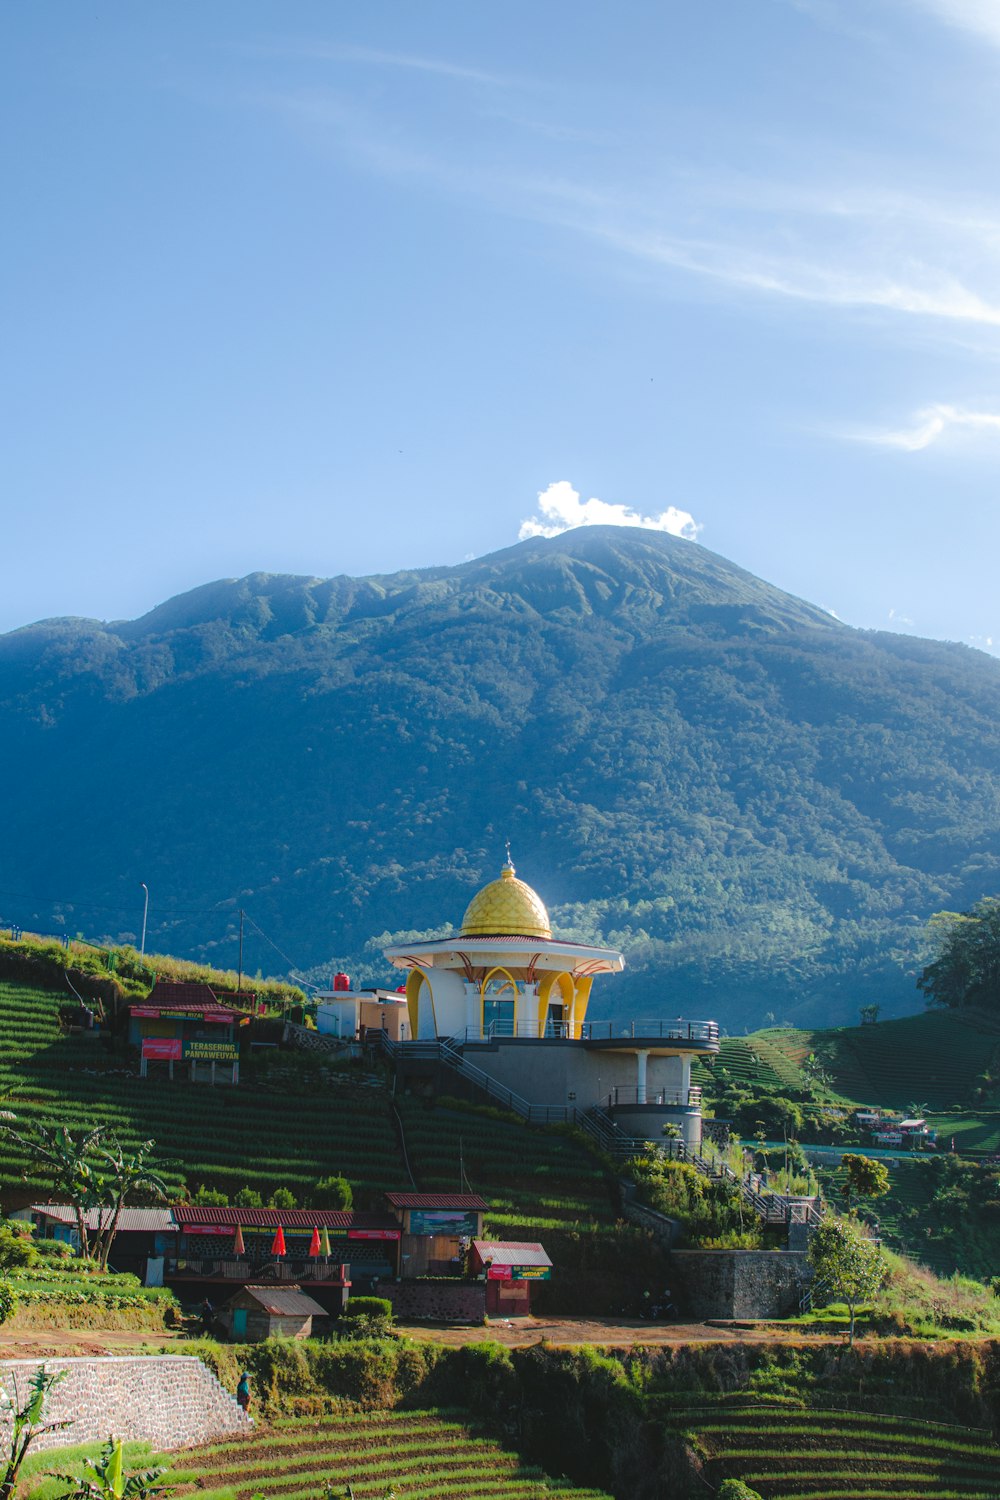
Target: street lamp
[{"x": 145, "y": 914}]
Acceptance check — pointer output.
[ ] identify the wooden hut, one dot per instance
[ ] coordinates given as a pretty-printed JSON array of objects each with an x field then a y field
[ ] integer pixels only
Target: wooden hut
[{"x": 255, "y": 1313}]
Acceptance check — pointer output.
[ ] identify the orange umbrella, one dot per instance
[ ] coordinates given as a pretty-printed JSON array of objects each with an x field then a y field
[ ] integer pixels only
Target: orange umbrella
[
  {"x": 314, "y": 1243},
  {"x": 278, "y": 1247},
  {"x": 238, "y": 1246}
]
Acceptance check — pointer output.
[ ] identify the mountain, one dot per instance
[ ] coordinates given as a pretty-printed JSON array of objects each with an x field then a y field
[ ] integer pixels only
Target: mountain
[{"x": 761, "y": 805}]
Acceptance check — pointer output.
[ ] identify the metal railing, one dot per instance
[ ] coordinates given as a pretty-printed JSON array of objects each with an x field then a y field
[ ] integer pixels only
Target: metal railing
[
  {"x": 244, "y": 1269},
  {"x": 671, "y": 1098},
  {"x": 700, "y": 1033}
]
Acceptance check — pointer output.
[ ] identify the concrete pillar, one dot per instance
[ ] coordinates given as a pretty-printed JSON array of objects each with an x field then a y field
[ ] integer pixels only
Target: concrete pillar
[{"x": 640, "y": 1092}]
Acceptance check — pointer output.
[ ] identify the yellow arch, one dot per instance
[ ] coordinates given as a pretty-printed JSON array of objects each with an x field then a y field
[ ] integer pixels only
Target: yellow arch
[
  {"x": 581, "y": 1002},
  {"x": 414, "y": 980},
  {"x": 554, "y": 980},
  {"x": 511, "y": 982}
]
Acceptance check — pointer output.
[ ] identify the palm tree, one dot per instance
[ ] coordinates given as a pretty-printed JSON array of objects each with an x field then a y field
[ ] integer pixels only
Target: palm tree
[
  {"x": 66, "y": 1156},
  {"x": 125, "y": 1176},
  {"x": 104, "y": 1478}
]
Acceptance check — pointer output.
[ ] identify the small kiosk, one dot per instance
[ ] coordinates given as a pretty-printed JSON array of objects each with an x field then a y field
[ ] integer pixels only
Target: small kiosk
[
  {"x": 186, "y": 1024},
  {"x": 436, "y": 1231},
  {"x": 511, "y": 1267}
]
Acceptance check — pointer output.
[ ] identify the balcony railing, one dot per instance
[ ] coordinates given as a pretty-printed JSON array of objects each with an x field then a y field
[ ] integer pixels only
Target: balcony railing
[
  {"x": 671, "y": 1098},
  {"x": 701, "y": 1033},
  {"x": 246, "y": 1270}
]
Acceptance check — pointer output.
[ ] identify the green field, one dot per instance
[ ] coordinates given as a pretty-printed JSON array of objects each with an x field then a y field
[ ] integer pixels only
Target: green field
[
  {"x": 836, "y": 1455},
  {"x": 422, "y": 1455}
]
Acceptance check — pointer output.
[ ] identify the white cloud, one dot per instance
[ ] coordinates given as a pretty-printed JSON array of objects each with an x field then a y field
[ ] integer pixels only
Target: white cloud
[
  {"x": 932, "y": 423},
  {"x": 560, "y": 508},
  {"x": 898, "y": 619},
  {"x": 980, "y": 17}
]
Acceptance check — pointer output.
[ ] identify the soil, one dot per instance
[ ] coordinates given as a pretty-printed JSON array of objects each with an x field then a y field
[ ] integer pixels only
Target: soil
[{"x": 606, "y": 1332}]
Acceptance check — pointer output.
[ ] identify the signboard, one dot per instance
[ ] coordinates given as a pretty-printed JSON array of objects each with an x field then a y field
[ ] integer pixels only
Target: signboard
[
  {"x": 173, "y": 1013},
  {"x": 211, "y": 1051},
  {"x": 373, "y": 1234},
  {"x": 500, "y": 1273},
  {"x": 161, "y": 1048},
  {"x": 532, "y": 1273},
  {"x": 889, "y": 1137},
  {"x": 454, "y": 1222}
]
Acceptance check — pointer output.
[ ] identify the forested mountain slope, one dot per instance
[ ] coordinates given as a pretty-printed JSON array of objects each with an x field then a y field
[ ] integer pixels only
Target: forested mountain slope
[{"x": 759, "y": 804}]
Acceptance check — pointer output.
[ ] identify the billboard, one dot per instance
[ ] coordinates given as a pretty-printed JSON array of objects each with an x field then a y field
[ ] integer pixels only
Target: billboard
[
  {"x": 211, "y": 1051},
  {"x": 445, "y": 1221},
  {"x": 161, "y": 1048}
]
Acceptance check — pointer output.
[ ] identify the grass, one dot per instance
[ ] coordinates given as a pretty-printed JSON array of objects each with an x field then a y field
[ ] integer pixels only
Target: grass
[
  {"x": 422, "y": 1455},
  {"x": 837, "y": 1455}
]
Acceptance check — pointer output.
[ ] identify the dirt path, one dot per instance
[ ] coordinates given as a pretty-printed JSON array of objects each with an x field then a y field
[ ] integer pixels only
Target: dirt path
[
  {"x": 615, "y": 1332},
  {"x": 55, "y": 1343}
]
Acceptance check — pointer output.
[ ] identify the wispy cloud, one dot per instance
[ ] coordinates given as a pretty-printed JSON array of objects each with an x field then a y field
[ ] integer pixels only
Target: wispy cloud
[
  {"x": 414, "y": 62},
  {"x": 979, "y": 17},
  {"x": 930, "y": 424},
  {"x": 897, "y": 619},
  {"x": 560, "y": 508}
]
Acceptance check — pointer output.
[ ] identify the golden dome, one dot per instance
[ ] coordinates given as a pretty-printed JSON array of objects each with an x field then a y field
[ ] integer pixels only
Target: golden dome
[{"x": 506, "y": 908}]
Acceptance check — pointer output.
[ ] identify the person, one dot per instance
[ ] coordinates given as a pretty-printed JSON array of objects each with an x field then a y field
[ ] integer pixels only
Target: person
[
  {"x": 207, "y": 1316},
  {"x": 243, "y": 1391}
]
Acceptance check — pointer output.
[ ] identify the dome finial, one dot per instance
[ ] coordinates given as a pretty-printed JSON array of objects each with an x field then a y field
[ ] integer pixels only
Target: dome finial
[{"x": 507, "y": 869}]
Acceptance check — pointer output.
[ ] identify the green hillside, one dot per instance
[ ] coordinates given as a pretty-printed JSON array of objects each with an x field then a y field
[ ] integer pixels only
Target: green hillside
[
  {"x": 760, "y": 805},
  {"x": 839, "y": 1455},
  {"x": 422, "y": 1455}
]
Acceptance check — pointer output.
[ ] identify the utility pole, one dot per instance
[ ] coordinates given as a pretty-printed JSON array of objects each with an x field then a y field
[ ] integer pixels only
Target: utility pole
[
  {"x": 145, "y": 914},
  {"x": 239, "y": 986}
]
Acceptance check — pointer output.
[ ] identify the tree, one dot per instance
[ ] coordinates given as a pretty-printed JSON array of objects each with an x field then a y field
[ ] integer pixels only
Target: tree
[
  {"x": 866, "y": 1178},
  {"x": 282, "y": 1198},
  {"x": 66, "y": 1157},
  {"x": 127, "y": 1175},
  {"x": 210, "y": 1197},
  {"x": 27, "y": 1424},
  {"x": 104, "y": 1478},
  {"x": 966, "y": 970},
  {"x": 851, "y": 1264},
  {"x": 869, "y": 1014},
  {"x": 16, "y": 1249},
  {"x": 333, "y": 1192},
  {"x": 248, "y": 1198}
]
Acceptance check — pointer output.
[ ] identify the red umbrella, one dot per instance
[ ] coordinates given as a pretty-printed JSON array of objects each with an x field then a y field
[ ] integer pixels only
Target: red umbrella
[
  {"x": 278, "y": 1247},
  {"x": 238, "y": 1246},
  {"x": 314, "y": 1243}
]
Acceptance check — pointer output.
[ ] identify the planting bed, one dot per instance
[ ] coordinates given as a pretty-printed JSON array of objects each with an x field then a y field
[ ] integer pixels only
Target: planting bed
[
  {"x": 419, "y": 1454},
  {"x": 789, "y": 1454}
]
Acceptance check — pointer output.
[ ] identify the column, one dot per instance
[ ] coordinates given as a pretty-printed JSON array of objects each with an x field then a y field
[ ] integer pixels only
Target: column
[{"x": 640, "y": 1093}]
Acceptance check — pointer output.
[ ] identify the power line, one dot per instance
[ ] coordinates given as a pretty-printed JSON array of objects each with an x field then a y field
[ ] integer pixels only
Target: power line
[{"x": 292, "y": 966}]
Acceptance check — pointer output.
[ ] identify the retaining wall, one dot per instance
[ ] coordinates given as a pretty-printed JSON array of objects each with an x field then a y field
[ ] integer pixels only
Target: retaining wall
[
  {"x": 168, "y": 1400},
  {"x": 436, "y": 1301},
  {"x": 739, "y": 1283}
]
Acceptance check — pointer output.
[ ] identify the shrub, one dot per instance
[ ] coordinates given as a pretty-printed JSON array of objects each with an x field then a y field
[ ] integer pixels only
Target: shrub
[
  {"x": 8, "y": 1301},
  {"x": 54, "y": 1249},
  {"x": 210, "y": 1197},
  {"x": 735, "y": 1489},
  {"x": 369, "y": 1306},
  {"x": 16, "y": 1249},
  {"x": 248, "y": 1198},
  {"x": 333, "y": 1192},
  {"x": 282, "y": 1198}
]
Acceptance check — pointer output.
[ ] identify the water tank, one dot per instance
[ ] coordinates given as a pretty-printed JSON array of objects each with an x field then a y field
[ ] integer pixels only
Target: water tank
[{"x": 342, "y": 981}]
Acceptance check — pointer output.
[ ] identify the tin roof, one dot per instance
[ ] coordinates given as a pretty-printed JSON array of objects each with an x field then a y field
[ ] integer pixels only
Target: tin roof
[
  {"x": 437, "y": 1200},
  {"x": 511, "y": 1253},
  {"x": 191, "y": 1215},
  {"x": 131, "y": 1221},
  {"x": 290, "y": 1301}
]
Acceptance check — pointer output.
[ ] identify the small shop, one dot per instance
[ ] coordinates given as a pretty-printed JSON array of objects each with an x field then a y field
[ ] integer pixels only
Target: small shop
[
  {"x": 510, "y": 1269},
  {"x": 436, "y": 1230},
  {"x": 185, "y": 1026},
  {"x": 349, "y": 1013},
  {"x": 256, "y": 1313}
]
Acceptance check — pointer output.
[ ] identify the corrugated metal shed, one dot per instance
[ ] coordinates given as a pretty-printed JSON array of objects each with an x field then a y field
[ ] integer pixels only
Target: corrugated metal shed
[
  {"x": 437, "y": 1200},
  {"x": 285, "y": 1301},
  {"x": 511, "y": 1253},
  {"x": 132, "y": 1220}
]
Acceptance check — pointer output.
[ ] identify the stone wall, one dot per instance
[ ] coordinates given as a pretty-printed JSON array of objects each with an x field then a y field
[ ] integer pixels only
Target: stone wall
[
  {"x": 168, "y": 1400},
  {"x": 436, "y": 1301},
  {"x": 738, "y": 1283}
]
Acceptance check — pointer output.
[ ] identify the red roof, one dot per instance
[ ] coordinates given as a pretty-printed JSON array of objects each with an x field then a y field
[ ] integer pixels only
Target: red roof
[
  {"x": 190, "y": 1215},
  {"x": 437, "y": 1200}
]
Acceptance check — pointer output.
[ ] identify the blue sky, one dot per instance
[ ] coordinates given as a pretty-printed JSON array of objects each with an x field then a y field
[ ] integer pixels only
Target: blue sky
[{"x": 322, "y": 288}]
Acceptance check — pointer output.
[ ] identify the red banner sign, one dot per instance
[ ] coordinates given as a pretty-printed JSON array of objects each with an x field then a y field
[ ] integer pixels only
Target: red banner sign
[
  {"x": 162, "y": 1048},
  {"x": 373, "y": 1234}
]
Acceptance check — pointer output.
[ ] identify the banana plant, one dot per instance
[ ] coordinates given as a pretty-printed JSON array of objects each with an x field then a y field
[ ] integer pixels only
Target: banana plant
[
  {"x": 104, "y": 1478},
  {"x": 27, "y": 1424}
]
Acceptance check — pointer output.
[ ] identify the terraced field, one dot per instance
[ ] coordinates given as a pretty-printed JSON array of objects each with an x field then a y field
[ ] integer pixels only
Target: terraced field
[
  {"x": 422, "y": 1455},
  {"x": 834, "y": 1455},
  {"x": 528, "y": 1174},
  {"x": 254, "y": 1135}
]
